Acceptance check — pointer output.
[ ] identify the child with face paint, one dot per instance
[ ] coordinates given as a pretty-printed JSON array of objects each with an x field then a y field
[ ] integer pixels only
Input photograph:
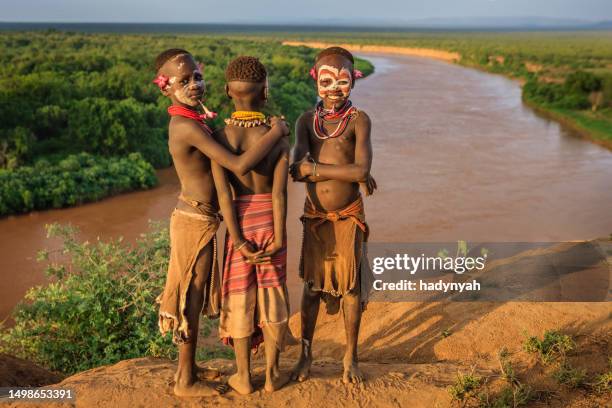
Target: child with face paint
[
  {"x": 193, "y": 283},
  {"x": 254, "y": 302},
  {"x": 333, "y": 155}
]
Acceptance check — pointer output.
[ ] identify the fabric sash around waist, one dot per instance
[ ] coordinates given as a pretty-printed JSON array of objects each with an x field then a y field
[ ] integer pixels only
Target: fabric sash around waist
[
  {"x": 204, "y": 209},
  {"x": 353, "y": 211}
]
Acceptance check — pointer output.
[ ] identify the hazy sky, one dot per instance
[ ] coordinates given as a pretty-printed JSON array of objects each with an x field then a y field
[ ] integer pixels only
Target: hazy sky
[{"x": 277, "y": 11}]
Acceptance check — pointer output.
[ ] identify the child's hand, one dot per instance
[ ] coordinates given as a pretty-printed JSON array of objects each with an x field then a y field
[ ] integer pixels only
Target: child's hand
[
  {"x": 369, "y": 185},
  {"x": 269, "y": 251},
  {"x": 249, "y": 253},
  {"x": 302, "y": 169},
  {"x": 276, "y": 121}
]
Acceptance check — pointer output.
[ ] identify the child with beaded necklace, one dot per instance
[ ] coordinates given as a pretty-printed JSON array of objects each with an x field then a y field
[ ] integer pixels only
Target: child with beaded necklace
[
  {"x": 192, "y": 282},
  {"x": 254, "y": 303},
  {"x": 333, "y": 155}
]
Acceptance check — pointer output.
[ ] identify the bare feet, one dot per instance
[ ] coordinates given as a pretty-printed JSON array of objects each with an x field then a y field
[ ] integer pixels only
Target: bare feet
[
  {"x": 198, "y": 389},
  {"x": 203, "y": 373},
  {"x": 240, "y": 383},
  {"x": 275, "y": 381},
  {"x": 302, "y": 370},
  {"x": 352, "y": 373}
]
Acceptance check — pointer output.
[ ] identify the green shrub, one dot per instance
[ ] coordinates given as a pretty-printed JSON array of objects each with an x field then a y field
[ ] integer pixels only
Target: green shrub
[
  {"x": 465, "y": 387},
  {"x": 512, "y": 396},
  {"x": 74, "y": 180},
  {"x": 100, "y": 307},
  {"x": 603, "y": 382},
  {"x": 569, "y": 376},
  {"x": 552, "y": 346},
  {"x": 583, "y": 82},
  {"x": 572, "y": 94}
]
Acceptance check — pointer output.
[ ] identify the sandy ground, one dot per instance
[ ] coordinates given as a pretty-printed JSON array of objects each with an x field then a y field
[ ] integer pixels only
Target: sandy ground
[
  {"x": 410, "y": 353},
  {"x": 406, "y": 358},
  {"x": 419, "y": 52}
]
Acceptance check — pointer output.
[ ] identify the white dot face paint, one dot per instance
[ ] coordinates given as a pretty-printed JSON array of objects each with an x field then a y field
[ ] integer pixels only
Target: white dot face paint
[
  {"x": 333, "y": 83},
  {"x": 191, "y": 89}
]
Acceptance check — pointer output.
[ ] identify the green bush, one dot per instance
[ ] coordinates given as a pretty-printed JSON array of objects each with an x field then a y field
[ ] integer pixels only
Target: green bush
[
  {"x": 554, "y": 345},
  {"x": 94, "y": 92},
  {"x": 573, "y": 94},
  {"x": 100, "y": 307},
  {"x": 74, "y": 180}
]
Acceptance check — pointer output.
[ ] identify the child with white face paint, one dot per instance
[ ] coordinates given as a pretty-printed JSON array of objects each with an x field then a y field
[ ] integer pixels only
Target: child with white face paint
[
  {"x": 192, "y": 283},
  {"x": 333, "y": 155},
  {"x": 185, "y": 82},
  {"x": 334, "y": 85}
]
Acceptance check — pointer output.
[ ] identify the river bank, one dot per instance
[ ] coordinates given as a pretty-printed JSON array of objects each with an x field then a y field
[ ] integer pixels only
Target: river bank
[
  {"x": 474, "y": 164},
  {"x": 587, "y": 132}
]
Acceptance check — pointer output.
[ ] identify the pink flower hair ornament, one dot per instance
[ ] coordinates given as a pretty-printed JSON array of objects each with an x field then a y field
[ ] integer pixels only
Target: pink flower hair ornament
[
  {"x": 313, "y": 73},
  {"x": 161, "y": 81}
]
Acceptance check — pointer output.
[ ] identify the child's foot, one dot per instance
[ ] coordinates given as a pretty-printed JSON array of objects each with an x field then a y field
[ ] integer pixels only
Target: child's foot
[
  {"x": 242, "y": 384},
  {"x": 352, "y": 373},
  {"x": 302, "y": 370},
  {"x": 275, "y": 381},
  {"x": 192, "y": 387},
  {"x": 204, "y": 373}
]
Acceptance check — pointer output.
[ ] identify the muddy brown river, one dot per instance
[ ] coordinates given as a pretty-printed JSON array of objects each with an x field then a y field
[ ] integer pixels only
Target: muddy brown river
[{"x": 456, "y": 155}]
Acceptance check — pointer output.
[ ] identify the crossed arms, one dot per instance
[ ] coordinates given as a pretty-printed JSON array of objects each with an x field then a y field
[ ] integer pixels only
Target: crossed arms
[{"x": 303, "y": 166}]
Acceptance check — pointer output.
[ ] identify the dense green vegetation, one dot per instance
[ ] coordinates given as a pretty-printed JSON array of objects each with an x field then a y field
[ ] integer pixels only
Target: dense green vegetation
[
  {"x": 568, "y": 74},
  {"x": 76, "y": 179},
  {"x": 63, "y": 93},
  {"x": 66, "y": 93},
  {"x": 99, "y": 309}
]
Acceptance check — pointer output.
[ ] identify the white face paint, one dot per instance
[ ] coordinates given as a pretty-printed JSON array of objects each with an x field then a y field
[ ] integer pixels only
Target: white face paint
[
  {"x": 333, "y": 83},
  {"x": 190, "y": 90}
]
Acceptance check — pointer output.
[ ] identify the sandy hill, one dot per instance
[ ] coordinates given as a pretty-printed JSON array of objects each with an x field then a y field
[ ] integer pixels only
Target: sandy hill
[{"x": 410, "y": 352}]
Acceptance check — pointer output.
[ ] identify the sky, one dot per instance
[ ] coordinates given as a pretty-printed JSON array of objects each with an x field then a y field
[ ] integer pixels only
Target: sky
[{"x": 292, "y": 12}]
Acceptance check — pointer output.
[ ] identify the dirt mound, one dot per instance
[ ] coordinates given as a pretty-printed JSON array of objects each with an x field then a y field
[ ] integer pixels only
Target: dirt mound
[
  {"x": 410, "y": 353},
  {"x": 420, "y": 332},
  {"x": 147, "y": 382},
  {"x": 16, "y": 372}
]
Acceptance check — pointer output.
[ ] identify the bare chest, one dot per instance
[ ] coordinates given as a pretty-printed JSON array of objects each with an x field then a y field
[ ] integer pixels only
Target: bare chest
[{"x": 333, "y": 150}]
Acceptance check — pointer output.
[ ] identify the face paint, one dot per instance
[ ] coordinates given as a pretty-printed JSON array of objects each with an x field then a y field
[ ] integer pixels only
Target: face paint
[
  {"x": 189, "y": 91},
  {"x": 333, "y": 83}
]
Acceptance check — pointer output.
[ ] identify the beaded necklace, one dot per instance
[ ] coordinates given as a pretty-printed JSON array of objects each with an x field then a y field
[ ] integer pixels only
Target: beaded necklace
[
  {"x": 191, "y": 114},
  {"x": 342, "y": 115},
  {"x": 247, "y": 119}
]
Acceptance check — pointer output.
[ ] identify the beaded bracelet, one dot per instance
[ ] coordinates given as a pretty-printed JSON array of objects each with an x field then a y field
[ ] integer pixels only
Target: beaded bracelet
[
  {"x": 239, "y": 247},
  {"x": 314, "y": 168}
]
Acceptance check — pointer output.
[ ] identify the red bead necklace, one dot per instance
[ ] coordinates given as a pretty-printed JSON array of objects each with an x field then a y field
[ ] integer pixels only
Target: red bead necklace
[
  {"x": 344, "y": 115},
  {"x": 191, "y": 114}
]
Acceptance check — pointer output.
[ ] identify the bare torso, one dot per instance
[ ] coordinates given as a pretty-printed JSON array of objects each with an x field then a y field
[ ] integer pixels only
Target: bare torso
[
  {"x": 332, "y": 195},
  {"x": 260, "y": 179},
  {"x": 193, "y": 169}
]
